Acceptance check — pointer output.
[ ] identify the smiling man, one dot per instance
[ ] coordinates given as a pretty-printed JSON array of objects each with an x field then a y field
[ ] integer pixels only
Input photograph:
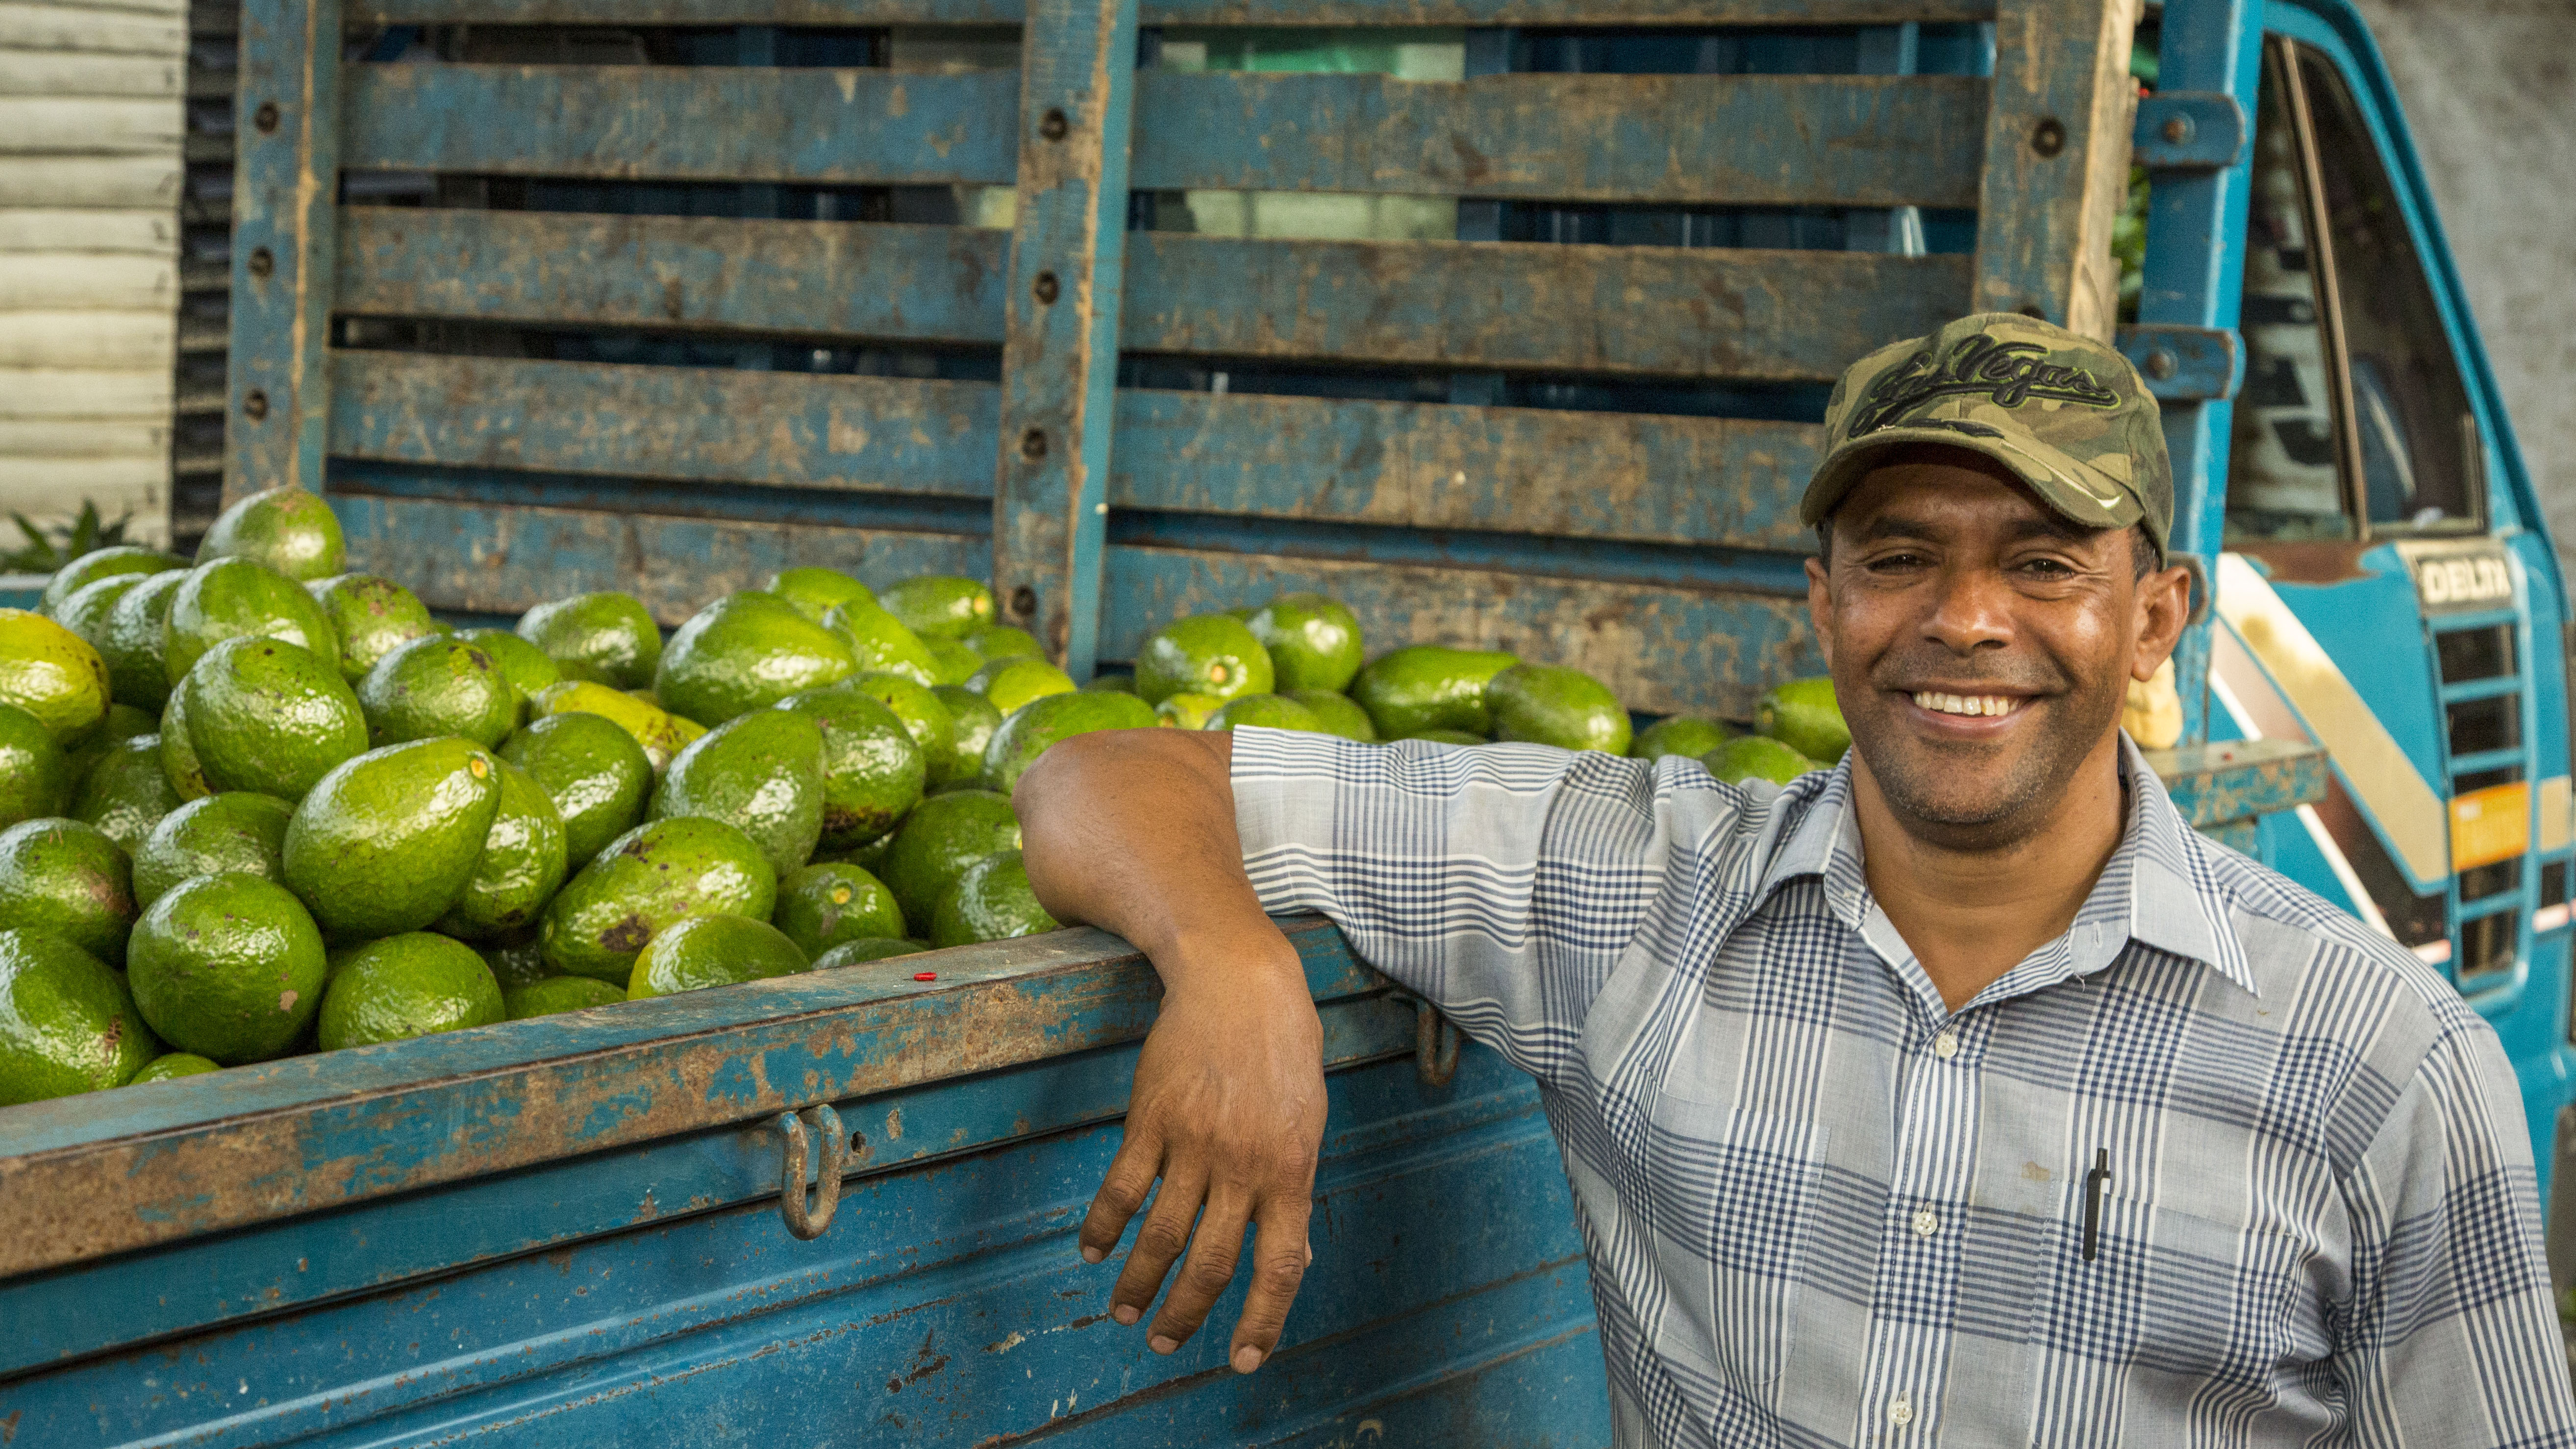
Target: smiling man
[{"x": 1959, "y": 1094}]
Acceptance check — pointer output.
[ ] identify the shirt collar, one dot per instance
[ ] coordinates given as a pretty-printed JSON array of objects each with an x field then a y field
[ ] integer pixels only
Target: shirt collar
[{"x": 2152, "y": 885}]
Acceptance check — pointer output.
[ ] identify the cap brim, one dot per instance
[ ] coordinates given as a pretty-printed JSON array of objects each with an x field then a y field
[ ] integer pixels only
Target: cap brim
[{"x": 2082, "y": 494}]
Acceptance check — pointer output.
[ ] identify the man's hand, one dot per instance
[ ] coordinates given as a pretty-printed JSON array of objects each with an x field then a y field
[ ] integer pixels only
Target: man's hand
[{"x": 1133, "y": 831}]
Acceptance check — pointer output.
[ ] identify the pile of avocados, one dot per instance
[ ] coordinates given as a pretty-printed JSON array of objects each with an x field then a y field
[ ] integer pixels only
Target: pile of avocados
[{"x": 256, "y": 806}]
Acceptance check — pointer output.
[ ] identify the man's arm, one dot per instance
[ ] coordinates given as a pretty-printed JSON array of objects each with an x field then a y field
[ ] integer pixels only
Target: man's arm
[{"x": 1133, "y": 831}]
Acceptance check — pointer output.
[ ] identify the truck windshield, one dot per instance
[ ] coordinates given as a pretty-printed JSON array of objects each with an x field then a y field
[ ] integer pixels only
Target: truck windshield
[{"x": 2353, "y": 419}]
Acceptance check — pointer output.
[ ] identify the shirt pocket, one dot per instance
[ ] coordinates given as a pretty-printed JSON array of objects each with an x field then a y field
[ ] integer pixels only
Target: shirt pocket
[
  {"x": 1730, "y": 1195},
  {"x": 2196, "y": 1309}
]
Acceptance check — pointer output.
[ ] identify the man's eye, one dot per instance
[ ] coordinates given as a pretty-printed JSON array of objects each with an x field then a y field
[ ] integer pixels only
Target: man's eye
[
  {"x": 2048, "y": 568},
  {"x": 1890, "y": 561}
]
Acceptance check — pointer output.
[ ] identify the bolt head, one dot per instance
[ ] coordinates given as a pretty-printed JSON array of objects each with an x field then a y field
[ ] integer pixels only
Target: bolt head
[
  {"x": 1024, "y": 601},
  {"x": 265, "y": 118},
  {"x": 1054, "y": 126},
  {"x": 255, "y": 404},
  {"x": 1033, "y": 444},
  {"x": 1046, "y": 289},
  {"x": 262, "y": 261},
  {"x": 2178, "y": 129},
  {"x": 2049, "y": 136},
  {"x": 2162, "y": 364}
]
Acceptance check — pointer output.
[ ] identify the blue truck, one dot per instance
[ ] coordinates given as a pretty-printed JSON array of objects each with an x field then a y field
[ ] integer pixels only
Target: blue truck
[{"x": 1509, "y": 324}]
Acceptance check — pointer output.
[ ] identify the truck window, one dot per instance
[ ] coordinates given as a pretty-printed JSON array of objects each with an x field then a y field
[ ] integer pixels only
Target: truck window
[{"x": 2353, "y": 412}]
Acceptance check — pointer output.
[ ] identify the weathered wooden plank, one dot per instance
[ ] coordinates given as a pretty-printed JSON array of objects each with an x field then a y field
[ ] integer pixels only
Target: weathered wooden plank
[
  {"x": 67, "y": 281},
  {"x": 284, "y": 204},
  {"x": 78, "y": 340},
  {"x": 72, "y": 73},
  {"x": 501, "y": 559},
  {"x": 717, "y": 123},
  {"x": 87, "y": 28},
  {"x": 912, "y": 283},
  {"x": 802, "y": 430},
  {"x": 64, "y": 392},
  {"x": 1187, "y": 12},
  {"x": 2214, "y": 784},
  {"x": 1722, "y": 481},
  {"x": 1664, "y": 311},
  {"x": 86, "y": 182},
  {"x": 85, "y": 1177},
  {"x": 1732, "y": 139},
  {"x": 2056, "y": 161},
  {"x": 1060, "y": 348},
  {"x": 89, "y": 125},
  {"x": 1664, "y": 650}
]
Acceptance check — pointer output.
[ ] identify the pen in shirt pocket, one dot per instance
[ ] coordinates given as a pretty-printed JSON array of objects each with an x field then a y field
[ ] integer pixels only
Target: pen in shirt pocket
[{"x": 2093, "y": 1180}]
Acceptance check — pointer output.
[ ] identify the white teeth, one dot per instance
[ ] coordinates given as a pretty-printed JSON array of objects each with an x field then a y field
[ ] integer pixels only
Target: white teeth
[{"x": 1969, "y": 704}]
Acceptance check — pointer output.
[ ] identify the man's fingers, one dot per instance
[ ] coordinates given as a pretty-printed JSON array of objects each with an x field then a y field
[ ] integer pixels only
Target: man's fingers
[
  {"x": 1160, "y": 1241},
  {"x": 1203, "y": 1279},
  {"x": 1279, "y": 1257},
  {"x": 1122, "y": 1193}
]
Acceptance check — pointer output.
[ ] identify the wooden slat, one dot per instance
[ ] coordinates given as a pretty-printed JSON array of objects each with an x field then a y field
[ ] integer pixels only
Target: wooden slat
[
  {"x": 153, "y": 232},
  {"x": 1636, "y": 310},
  {"x": 75, "y": 182},
  {"x": 1743, "y": 140},
  {"x": 670, "y": 122},
  {"x": 83, "y": 340},
  {"x": 284, "y": 203},
  {"x": 71, "y": 73},
  {"x": 1662, "y": 650},
  {"x": 1636, "y": 477},
  {"x": 46, "y": 391},
  {"x": 25, "y": 26},
  {"x": 1185, "y": 12},
  {"x": 914, "y": 283},
  {"x": 78, "y": 280},
  {"x": 2057, "y": 161},
  {"x": 691, "y": 424},
  {"x": 490, "y": 559}
]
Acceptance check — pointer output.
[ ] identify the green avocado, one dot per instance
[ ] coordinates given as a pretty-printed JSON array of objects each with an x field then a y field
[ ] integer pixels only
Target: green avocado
[
  {"x": 861, "y": 952},
  {"x": 946, "y": 834},
  {"x": 372, "y": 617},
  {"x": 261, "y": 714},
  {"x": 746, "y": 652},
  {"x": 1804, "y": 715},
  {"x": 1187, "y": 711},
  {"x": 926, "y": 719},
  {"x": 89, "y": 608},
  {"x": 286, "y": 529},
  {"x": 67, "y": 1024},
  {"x": 557, "y": 993},
  {"x": 127, "y": 792},
  {"x": 1266, "y": 711},
  {"x": 1428, "y": 687},
  {"x": 872, "y": 771},
  {"x": 762, "y": 774},
  {"x": 973, "y": 719},
  {"x": 35, "y": 773},
  {"x": 68, "y": 879},
  {"x": 386, "y": 842},
  {"x": 122, "y": 561},
  {"x": 940, "y": 604},
  {"x": 813, "y": 591},
  {"x": 1550, "y": 704},
  {"x": 123, "y": 723},
  {"x": 1110, "y": 684},
  {"x": 234, "y": 598},
  {"x": 229, "y": 967},
  {"x": 432, "y": 687},
  {"x": 594, "y": 771},
  {"x": 1211, "y": 654},
  {"x": 132, "y": 641},
  {"x": 705, "y": 951},
  {"x": 824, "y": 904},
  {"x": 1026, "y": 733},
  {"x": 950, "y": 661},
  {"x": 879, "y": 643},
  {"x": 521, "y": 865},
  {"x": 523, "y": 664},
  {"x": 179, "y": 750},
  {"x": 648, "y": 879},
  {"x": 1001, "y": 641},
  {"x": 1014, "y": 680},
  {"x": 1756, "y": 757},
  {"x": 171, "y": 1066},
  {"x": 1313, "y": 641},
  {"x": 1678, "y": 734},
  {"x": 1337, "y": 714},
  {"x": 992, "y": 901},
  {"x": 406, "y": 986},
  {"x": 516, "y": 960},
  {"x": 240, "y": 832},
  {"x": 605, "y": 638}
]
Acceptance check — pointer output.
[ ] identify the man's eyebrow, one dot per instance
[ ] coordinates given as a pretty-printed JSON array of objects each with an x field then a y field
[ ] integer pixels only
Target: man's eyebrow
[{"x": 2036, "y": 525}]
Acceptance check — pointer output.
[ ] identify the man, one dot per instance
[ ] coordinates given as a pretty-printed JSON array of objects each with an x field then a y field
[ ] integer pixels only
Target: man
[{"x": 1962, "y": 1093}]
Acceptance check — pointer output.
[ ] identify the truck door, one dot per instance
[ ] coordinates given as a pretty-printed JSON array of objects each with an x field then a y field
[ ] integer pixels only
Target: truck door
[{"x": 2379, "y": 594}]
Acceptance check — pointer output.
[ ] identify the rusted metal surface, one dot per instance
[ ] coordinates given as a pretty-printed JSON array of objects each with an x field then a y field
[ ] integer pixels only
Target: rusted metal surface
[
  {"x": 284, "y": 205},
  {"x": 2213, "y": 785},
  {"x": 88, "y": 1176},
  {"x": 2057, "y": 161},
  {"x": 1743, "y": 140},
  {"x": 1185, "y": 12},
  {"x": 809, "y": 1218},
  {"x": 1679, "y": 312},
  {"x": 491, "y": 558}
]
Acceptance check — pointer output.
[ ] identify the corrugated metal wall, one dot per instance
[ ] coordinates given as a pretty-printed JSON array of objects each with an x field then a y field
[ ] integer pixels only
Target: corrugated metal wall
[{"x": 91, "y": 122}]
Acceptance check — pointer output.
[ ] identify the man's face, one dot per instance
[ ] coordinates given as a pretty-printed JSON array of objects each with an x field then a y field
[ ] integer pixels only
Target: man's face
[{"x": 1981, "y": 644}]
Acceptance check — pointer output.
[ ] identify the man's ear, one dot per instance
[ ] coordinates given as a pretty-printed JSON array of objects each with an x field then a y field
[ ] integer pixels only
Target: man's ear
[
  {"x": 2163, "y": 607},
  {"x": 1820, "y": 608}
]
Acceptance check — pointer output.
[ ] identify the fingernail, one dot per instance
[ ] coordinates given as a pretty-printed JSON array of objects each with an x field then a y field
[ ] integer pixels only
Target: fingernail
[
  {"x": 1160, "y": 1344},
  {"x": 1091, "y": 1254},
  {"x": 1246, "y": 1359},
  {"x": 1125, "y": 1315}
]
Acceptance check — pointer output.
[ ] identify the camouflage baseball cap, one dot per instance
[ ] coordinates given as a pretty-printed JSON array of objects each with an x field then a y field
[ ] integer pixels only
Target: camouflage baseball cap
[{"x": 2065, "y": 413}]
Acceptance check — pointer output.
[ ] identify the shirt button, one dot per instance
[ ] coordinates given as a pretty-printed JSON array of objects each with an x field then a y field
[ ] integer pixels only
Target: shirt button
[
  {"x": 1900, "y": 1411},
  {"x": 1926, "y": 1222},
  {"x": 1946, "y": 1045}
]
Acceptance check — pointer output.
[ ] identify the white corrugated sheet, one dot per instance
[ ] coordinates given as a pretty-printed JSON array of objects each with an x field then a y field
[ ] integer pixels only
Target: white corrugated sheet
[{"x": 91, "y": 127}]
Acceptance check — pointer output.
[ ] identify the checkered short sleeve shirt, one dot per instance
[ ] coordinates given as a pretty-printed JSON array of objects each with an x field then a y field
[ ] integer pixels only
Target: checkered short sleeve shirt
[{"x": 1821, "y": 1208}]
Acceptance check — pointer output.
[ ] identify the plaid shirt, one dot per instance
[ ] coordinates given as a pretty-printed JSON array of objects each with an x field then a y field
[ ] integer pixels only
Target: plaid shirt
[{"x": 1822, "y": 1208}]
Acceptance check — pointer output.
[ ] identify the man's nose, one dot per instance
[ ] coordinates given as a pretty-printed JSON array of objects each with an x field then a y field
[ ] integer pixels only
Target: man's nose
[{"x": 1973, "y": 610}]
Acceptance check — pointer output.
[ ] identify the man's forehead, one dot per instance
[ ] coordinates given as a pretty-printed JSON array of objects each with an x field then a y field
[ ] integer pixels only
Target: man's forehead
[{"x": 1933, "y": 495}]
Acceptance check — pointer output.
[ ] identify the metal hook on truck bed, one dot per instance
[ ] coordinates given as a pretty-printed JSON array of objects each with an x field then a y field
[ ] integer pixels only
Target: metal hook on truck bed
[{"x": 807, "y": 1222}]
